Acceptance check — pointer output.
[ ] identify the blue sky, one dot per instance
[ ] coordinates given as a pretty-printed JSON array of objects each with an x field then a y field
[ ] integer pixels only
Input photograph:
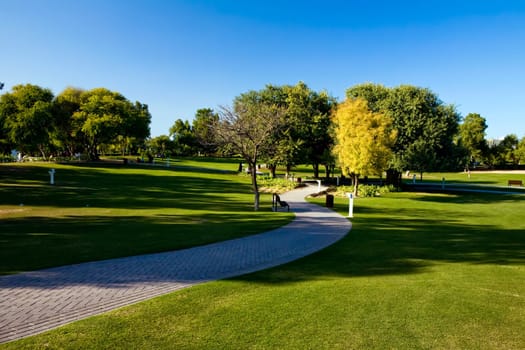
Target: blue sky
[{"x": 178, "y": 56}]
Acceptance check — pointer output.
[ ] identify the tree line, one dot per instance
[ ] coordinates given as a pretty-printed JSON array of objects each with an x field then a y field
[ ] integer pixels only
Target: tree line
[
  {"x": 429, "y": 134},
  {"x": 34, "y": 121},
  {"x": 374, "y": 130}
]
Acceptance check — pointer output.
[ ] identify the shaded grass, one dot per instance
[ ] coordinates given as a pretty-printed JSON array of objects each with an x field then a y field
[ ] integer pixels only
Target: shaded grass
[
  {"x": 417, "y": 271},
  {"x": 100, "y": 211}
]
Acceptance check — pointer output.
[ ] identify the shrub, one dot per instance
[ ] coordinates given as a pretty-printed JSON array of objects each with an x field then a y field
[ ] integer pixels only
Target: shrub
[{"x": 275, "y": 185}]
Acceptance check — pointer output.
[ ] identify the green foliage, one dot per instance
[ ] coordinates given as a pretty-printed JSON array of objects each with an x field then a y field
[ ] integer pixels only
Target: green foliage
[
  {"x": 32, "y": 120},
  {"x": 504, "y": 153},
  {"x": 364, "y": 139},
  {"x": 305, "y": 132},
  {"x": 27, "y": 118},
  {"x": 425, "y": 126},
  {"x": 105, "y": 116},
  {"x": 472, "y": 136},
  {"x": 184, "y": 139},
  {"x": 248, "y": 129},
  {"x": 276, "y": 185},
  {"x": 161, "y": 146},
  {"x": 365, "y": 190},
  {"x": 520, "y": 151},
  {"x": 203, "y": 123}
]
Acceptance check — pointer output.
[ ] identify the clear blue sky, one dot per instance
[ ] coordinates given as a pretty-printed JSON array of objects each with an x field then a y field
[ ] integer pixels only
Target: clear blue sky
[{"x": 181, "y": 55}]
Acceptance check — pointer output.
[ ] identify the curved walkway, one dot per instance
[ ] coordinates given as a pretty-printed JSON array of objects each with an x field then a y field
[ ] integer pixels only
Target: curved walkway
[{"x": 34, "y": 302}]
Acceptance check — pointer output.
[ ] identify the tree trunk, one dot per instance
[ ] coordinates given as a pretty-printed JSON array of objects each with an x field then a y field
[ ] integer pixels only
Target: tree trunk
[
  {"x": 316, "y": 170},
  {"x": 288, "y": 170},
  {"x": 273, "y": 168},
  {"x": 253, "y": 173},
  {"x": 256, "y": 201},
  {"x": 328, "y": 169},
  {"x": 41, "y": 148},
  {"x": 356, "y": 184}
]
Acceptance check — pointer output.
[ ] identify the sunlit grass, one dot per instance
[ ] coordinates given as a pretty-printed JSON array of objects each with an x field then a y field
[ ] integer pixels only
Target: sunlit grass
[
  {"x": 417, "y": 271},
  {"x": 484, "y": 178}
]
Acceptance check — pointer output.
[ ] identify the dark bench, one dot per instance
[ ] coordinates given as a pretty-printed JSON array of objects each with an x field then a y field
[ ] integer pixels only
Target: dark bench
[
  {"x": 277, "y": 201},
  {"x": 515, "y": 183}
]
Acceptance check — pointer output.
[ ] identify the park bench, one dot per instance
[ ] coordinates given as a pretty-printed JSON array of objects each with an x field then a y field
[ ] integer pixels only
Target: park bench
[
  {"x": 515, "y": 183},
  {"x": 277, "y": 201}
]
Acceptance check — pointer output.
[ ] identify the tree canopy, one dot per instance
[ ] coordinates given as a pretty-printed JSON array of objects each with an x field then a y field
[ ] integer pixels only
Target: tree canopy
[
  {"x": 27, "y": 115},
  {"x": 363, "y": 139},
  {"x": 472, "y": 136},
  {"x": 247, "y": 129},
  {"x": 33, "y": 120},
  {"x": 425, "y": 126}
]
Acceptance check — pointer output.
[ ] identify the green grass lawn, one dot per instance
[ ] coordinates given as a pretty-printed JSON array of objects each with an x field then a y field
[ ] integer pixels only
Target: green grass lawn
[
  {"x": 100, "y": 211},
  {"x": 482, "y": 178},
  {"x": 417, "y": 271}
]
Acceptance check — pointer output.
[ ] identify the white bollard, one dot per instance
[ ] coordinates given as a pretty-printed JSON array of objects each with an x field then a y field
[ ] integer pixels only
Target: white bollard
[
  {"x": 350, "y": 205},
  {"x": 318, "y": 186},
  {"x": 52, "y": 176}
]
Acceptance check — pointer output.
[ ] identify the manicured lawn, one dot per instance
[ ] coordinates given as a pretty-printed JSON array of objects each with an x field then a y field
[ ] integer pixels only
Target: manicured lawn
[
  {"x": 100, "y": 211},
  {"x": 484, "y": 178},
  {"x": 417, "y": 271}
]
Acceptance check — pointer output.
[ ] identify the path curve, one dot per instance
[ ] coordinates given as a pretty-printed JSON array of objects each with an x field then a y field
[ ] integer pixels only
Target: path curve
[{"x": 33, "y": 302}]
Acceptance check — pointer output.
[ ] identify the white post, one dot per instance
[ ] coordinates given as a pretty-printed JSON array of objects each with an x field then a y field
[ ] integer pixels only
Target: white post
[
  {"x": 52, "y": 176},
  {"x": 350, "y": 205},
  {"x": 318, "y": 186}
]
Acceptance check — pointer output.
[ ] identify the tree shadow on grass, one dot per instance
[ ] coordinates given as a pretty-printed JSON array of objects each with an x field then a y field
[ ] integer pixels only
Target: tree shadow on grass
[
  {"x": 129, "y": 189},
  {"x": 385, "y": 245},
  {"x": 30, "y": 243}
]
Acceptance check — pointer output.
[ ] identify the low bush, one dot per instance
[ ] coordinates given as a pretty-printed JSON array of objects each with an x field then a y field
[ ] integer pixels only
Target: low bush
[{"x": 275, "y": 185}]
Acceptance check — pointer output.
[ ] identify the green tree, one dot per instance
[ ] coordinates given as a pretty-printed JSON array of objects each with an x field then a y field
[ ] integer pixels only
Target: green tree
[
  {"x": 135, "y": 129},
  {"x": 520, "y": 151},
  {"x": 472, "y": 136},
  {"x": 184, "y": 140},
  {"x": 247, "y": 129},
  {"x": 304, "y": 136},
  {"x": 27, "y": 116},
  {"x": 161, "y": 145},
  {"x": 505, "y": 153},
  {"x": 363, "y": 140},
  {"x": 205, "y": 118},
  {"x": 308, "y": 117},
  {"x": 65, "y": 105},
  {"x": 108, "y": 118},
  {"x": 283, "y": 147},
  {"x": 425, "y": 126},
  {"x": 375, "y": 94}
]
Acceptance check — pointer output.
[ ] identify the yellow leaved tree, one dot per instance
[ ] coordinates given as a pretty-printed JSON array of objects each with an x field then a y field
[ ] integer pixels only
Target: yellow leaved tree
[{"x": 363, "y": 140}]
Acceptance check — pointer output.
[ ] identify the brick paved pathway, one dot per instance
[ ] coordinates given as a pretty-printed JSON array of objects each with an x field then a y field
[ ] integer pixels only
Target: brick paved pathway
[{"x": 34, "y": 302}]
